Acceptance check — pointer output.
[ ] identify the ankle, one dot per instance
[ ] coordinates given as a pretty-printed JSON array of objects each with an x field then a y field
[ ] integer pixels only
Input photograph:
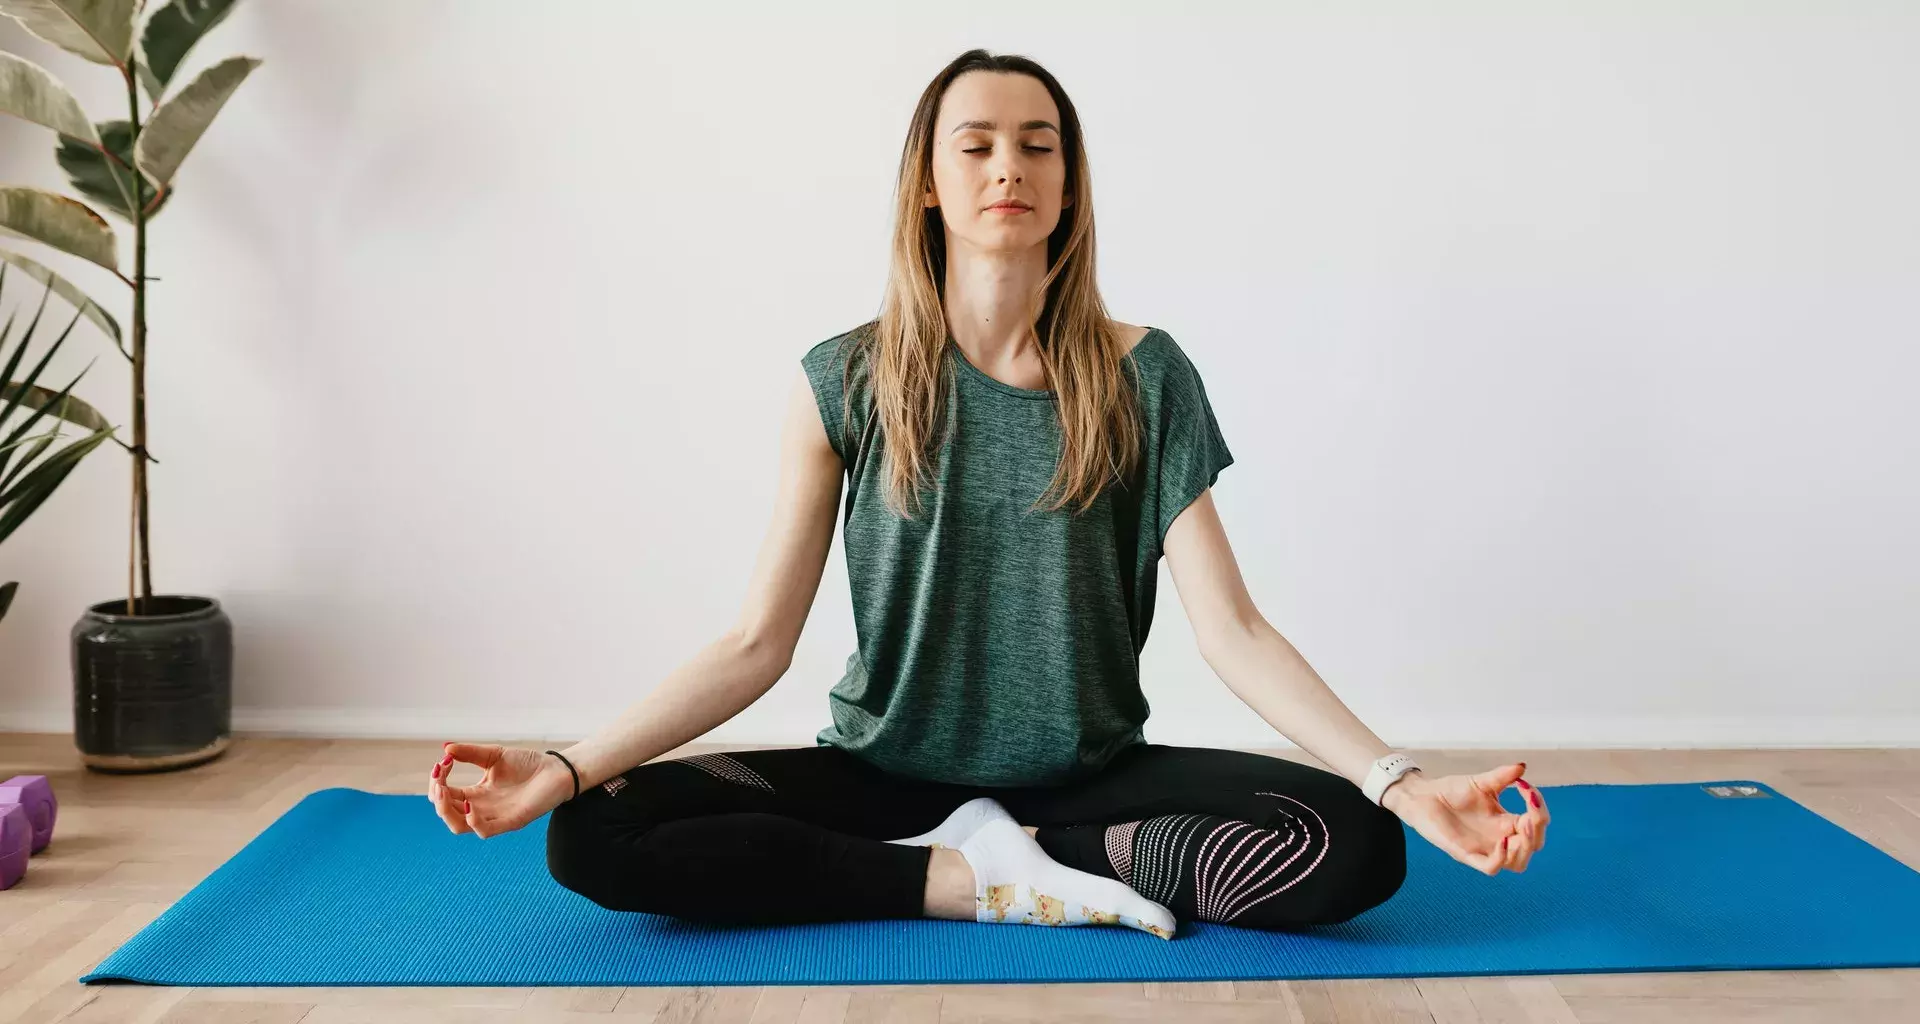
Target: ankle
[{"x": 951, "y": 887}]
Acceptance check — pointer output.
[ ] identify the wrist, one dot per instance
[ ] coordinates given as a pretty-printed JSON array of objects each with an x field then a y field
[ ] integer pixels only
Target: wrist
[
  {"x": 557, "y": 779},
  {"x": 1402, "y": 789}
]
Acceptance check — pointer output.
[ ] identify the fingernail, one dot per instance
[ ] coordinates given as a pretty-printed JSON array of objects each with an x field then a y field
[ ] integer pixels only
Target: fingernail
[
  {"x": 1523, "y": 766},
  {"x": 436, "y": 771},
  {"x": 1523, "y": 784},
  {"x": 1535, "y": 794},
  {"x": 466, "y": 806}
]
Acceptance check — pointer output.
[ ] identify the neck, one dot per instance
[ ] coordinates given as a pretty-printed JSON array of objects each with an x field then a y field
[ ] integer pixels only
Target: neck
[{"x": 991, "y": 297}]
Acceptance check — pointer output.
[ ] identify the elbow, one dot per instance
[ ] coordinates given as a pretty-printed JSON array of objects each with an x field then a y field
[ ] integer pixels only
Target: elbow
[
  {"x": 1229, "y": 634},
  {"x": 771, "y": 653}
]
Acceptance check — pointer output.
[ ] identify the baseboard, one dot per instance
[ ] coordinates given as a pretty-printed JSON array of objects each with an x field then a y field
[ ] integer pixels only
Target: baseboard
[{"x": 1572, "y": 731}]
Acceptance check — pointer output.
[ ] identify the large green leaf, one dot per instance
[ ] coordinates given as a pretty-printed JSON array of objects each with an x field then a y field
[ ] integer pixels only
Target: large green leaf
[
  {"x": 65, "y": 289},
  {"x": 32, "y": 481},
  {"x": 35, "y": 439},
  {"x": 11, "y": 399},
  {"x": 171, "y": 31},
  {"x": 181, "y": 120},
  {"x": 68, "y": 408},
  {"x": 63, "y": 223},
  {"x": 27, "y": 91},
  {"x": 99, "y": 30},
  {"x": 102, "y": 180},
  {"x": 19, "y": 501}
]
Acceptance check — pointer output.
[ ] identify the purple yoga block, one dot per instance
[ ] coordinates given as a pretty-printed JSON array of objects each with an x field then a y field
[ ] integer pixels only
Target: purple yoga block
[
  {"x": 34, "y": 795},
  {"x": 16, "y": 835}
]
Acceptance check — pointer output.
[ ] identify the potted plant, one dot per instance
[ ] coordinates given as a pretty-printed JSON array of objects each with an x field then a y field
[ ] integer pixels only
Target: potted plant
[
  {"x": 28, "y": 473},
  {"x": 152, "y": 673}
]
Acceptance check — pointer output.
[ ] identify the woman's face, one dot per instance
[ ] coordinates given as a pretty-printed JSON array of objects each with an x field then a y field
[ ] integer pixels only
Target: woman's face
[{"x": 998, "y": 137}]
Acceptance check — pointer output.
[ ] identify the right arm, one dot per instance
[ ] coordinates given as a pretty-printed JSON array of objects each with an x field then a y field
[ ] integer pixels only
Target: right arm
[{"x": 740, "y": 666}]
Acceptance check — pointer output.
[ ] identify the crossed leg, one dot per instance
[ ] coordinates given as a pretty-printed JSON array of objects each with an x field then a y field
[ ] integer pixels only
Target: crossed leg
[
  {"x": 1224, "y": 836},
  {"x": 800, "y": 834}
]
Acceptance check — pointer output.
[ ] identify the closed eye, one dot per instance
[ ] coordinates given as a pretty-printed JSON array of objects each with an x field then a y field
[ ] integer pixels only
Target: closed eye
[{"x": 983, "y": 149}]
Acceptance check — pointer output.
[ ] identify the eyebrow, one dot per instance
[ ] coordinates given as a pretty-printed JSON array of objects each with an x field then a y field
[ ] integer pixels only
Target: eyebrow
[{"x": 1025, "y": 126}]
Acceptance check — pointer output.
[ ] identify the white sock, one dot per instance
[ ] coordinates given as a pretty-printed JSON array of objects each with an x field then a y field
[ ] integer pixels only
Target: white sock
[
  {"x": 960, "y": 825},
  {"x": 1015, "y": 882}
]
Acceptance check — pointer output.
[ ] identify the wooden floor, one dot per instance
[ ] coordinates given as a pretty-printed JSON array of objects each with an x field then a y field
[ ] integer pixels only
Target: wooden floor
[{"x": 126, "y": 847}]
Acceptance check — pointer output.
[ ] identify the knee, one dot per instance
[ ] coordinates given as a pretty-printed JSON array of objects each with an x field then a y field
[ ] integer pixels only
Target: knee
[
  {"x": 571, "y": 843},
  {"x": 582, "y": 856},
  {"x": 1368, "y": 871}
]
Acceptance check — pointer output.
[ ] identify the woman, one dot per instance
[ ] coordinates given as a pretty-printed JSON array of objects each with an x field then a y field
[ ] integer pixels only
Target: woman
[{"x": 1016, "y": 464}]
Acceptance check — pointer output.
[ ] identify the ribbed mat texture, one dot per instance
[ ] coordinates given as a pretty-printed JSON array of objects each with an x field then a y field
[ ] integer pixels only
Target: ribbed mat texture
[{"x": 358, "y": 888}]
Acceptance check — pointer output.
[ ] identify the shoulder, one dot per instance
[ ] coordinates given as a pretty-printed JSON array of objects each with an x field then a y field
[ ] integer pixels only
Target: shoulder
[
  {"x": 834, "y": 364},
  {"x": 1131, "y": 334},
  {"x": 1160, "y": 361},
  {"x": 831, "y": 351}
]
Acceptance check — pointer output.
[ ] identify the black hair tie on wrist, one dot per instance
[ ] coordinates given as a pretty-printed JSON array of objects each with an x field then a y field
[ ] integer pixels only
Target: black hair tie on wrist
[{"x": 570, "y": 770}]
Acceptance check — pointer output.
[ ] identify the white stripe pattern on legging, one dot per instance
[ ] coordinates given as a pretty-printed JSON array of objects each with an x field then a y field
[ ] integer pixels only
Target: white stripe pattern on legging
[
  {"x": 727, "y": 768},
  {"x": 1224, "y": 887},
  {"x": 1119, "y": 840},
  {"x": 1148, "y": 855},
  {"x": 1159, "y": 849}
]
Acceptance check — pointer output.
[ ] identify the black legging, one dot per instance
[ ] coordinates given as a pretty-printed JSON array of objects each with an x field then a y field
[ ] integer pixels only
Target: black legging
[{"x": 797, "y": 834}]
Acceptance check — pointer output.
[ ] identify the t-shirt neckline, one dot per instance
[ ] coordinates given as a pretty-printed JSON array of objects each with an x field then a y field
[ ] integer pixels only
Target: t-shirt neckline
[{"x": 1019, "y": 392}]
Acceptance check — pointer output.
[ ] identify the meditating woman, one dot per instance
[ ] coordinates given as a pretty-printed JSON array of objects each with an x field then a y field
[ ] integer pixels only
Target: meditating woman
[{"x": 1015, "y": 466}]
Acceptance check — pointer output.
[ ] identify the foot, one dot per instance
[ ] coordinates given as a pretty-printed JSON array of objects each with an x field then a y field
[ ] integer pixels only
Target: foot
[
  {"x": 965, "y": 820},
  {"x": 1015, "y": 882}
]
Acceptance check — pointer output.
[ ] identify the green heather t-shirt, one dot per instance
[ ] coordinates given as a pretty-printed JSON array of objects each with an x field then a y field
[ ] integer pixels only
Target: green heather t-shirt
[{"x": 997, "y": 646}]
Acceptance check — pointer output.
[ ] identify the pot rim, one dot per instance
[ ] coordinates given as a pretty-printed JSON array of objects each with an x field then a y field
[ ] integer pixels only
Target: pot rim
[{"x": 98, "y": 610}]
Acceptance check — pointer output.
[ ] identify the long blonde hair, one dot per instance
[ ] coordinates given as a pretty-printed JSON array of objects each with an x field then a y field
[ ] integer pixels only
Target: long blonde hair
[{"x": 902, "y": 351}]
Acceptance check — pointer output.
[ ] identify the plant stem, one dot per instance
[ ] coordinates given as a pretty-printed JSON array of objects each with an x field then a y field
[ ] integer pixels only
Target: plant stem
[{"x": 139, "y": 367}]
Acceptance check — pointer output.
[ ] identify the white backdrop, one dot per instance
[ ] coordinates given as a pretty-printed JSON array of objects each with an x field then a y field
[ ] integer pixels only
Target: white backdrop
[{"x": 1568, "y": 356}]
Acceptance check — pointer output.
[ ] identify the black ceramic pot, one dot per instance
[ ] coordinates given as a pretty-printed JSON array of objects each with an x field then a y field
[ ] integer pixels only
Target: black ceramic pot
[{"x": 154, "y": 691}]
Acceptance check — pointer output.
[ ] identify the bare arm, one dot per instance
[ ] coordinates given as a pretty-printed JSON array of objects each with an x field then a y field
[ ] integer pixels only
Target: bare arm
[{"x": 741, "y": 665}]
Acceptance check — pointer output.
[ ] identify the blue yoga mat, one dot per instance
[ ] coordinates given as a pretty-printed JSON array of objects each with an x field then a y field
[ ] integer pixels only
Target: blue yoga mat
[{"x": 357, "y": 888}]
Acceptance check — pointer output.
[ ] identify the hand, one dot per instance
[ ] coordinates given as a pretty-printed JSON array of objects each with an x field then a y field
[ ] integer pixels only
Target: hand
[
  {"x": 1462, "y": 815},
  {"x": 519, "y": 786}
]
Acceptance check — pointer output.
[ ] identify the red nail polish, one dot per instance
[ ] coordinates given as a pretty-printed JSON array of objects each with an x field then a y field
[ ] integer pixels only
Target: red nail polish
[
  {"x": 1523, "y": 783},
  {"x": 1536, "y": 798},
  {"x": 466, "y": 806},
  {"x": 436, "y": 771}
]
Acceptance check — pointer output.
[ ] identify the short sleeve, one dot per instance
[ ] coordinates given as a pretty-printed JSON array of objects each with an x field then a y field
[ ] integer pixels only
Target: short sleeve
[
  {"x": 825, "y": 366},
  {"x": 1185, "y": 445}
]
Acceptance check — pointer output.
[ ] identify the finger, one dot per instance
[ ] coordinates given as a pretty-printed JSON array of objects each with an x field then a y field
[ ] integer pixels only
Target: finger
[
  {"x": 1496, "y": 860},
  {"x": 1532, "y": 847},
  {"x": 1519, "y": 849},
  {"x": 1497, "y": 779},
  {"x": 486, "y": 755},
  {"x": 1536, "y": 811},
  {"x": 484, "y": 823},
  {"x": 451, "y": 798},
  {"x": 444, "y": 807}
]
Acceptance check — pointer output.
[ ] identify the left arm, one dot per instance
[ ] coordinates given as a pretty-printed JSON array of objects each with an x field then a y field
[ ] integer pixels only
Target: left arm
[
  {"x": 1461, "y": 814},
  {"x": 1258, "y": 664}
]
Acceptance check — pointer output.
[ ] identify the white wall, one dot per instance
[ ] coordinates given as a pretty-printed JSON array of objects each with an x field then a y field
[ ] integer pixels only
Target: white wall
[{"x": 1568, "y": 356}]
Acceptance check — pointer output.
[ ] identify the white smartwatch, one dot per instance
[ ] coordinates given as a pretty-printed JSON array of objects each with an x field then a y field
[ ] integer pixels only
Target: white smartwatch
[{"x": 1385, "y": 772}]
